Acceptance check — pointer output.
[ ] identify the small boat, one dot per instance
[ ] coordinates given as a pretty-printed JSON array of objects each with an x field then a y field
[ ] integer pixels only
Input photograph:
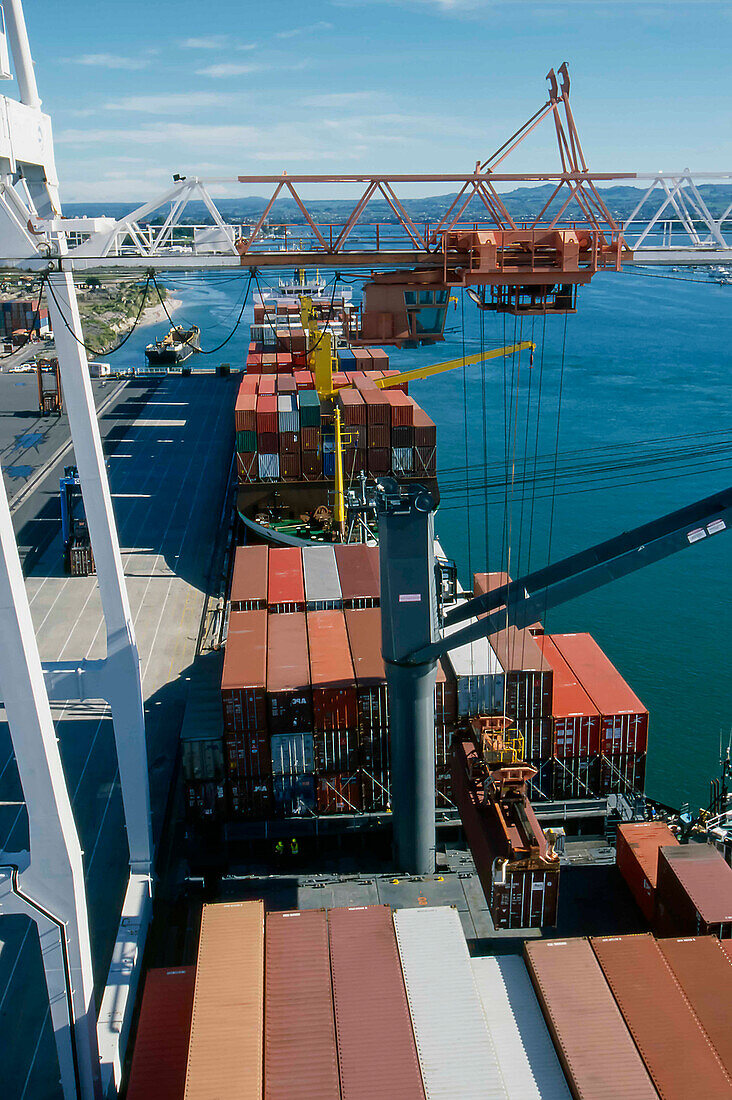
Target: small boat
[{"x": 175, "y": 347}]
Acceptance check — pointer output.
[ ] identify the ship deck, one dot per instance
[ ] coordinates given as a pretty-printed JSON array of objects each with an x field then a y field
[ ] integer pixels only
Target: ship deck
[{"x": 168, "y": 444}]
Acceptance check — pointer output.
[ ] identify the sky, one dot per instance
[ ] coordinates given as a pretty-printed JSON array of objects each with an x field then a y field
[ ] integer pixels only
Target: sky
[{"x": 143, "y": 89}]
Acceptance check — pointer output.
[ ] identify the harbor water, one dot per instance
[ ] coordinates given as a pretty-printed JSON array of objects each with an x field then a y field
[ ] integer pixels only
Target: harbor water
[{"x": 623, "y": 416}]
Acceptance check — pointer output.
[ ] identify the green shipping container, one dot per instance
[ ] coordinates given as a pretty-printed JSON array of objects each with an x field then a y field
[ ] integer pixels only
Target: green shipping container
[
  {"x": 246, "y": 441},
  {"x": 309, "y": 405}
]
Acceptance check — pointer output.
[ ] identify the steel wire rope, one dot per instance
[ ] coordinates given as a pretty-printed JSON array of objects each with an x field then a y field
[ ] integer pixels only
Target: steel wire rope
[
  {"x": 223, "y": 323},
  {"x": 523, "y": 496},
  {"x": 465, "y": 433},
  {"x": 486, "y": 516},
  {"x": 82, "y": 343},
  {"x": 556, "y": 457},
  {"x": 536, "y": 444},
  {"x": 211, "y": 351}
]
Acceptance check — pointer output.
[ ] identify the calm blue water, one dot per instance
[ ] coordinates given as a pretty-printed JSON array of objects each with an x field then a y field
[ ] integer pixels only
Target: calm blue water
[{"x": 644, "y": 357}]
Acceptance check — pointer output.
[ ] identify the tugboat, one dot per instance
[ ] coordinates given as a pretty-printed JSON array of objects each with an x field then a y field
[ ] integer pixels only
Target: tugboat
[{"x": 177, "y": 346}]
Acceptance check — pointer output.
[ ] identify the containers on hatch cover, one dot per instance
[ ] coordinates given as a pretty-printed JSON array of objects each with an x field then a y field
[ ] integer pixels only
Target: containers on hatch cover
[
  {"x": 322, "y": 586},
  {"x": 636, "y": 849},
  {"x": 226, "y": 1049},
  {"x": 456, "y": 1052},
  {"x": 245, "y": 672},
  {"x": 596, "y": 1049},
  {"x": 526, "y": 1057},
  {"x": 376, "y": 1048},
  {"x": 364, "y": 636},
  {"x": 677, "y": 1053},
  {"x": 479, "y": 675},
  {"x": 289, "y": 698},
  {"x": 693, "y": 892},
  {"x": 704, "y": 972},
  {"x": 300, "y": 1058},
  {"x": 249, "y": 579},
  {"x": 331, "y": 671},
  {"x": 160, "y": 1053},
  {"x": 358, "y": 572},
  {"x": 529, "y": 674},
  {"x": 576, "y": 718},
  {"x": 624, "y": 719},
  {"x": 285, "y": 585}
]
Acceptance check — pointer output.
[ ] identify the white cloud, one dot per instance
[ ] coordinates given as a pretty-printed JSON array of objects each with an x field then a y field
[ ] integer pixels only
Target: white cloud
[
  {"x": 312, "y": 28},
  {"x": 171, "y": 104},
  {"x": 227, "y": 68},
  {"x": 110, "y": 61},
  {"x": 341, "y": 99},
  {"x": 215, "y": 42}
]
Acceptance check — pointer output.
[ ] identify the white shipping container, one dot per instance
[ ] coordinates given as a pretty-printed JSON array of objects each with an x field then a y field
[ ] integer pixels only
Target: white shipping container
[
  {"x": 322, "y": 584},
  {"x": 455, "y": 1049},
  {"x": 526, "y": 1055},
  {"x": 269, "y": 467},
  {"x": 292, "y": 753},
  {"x": 288, "y": 417},
  {"x": 479, "y": 675},
  {"x": 402, "y": 460}
]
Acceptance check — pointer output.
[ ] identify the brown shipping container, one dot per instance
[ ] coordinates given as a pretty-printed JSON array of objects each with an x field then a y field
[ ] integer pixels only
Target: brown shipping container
[
  {"x": 251, "y": 798},
  {"x": 379, "y": 460},
  {"x": 637, "y": 860},
  {"x": 247, "y": 468},
  {"x": 596, "y": 1050},
  {"x": 425, "y": 432},
  {"x": 331, "y": 672},
  {"x": 726, "y": 946},
  {"x": 336, "y": 750},
  {"x": 622, "y": 773},
  {"x": 378, "y": 409},
  {"x": 290, "y": 467},
  {"x": 371, "y": 1011},
  {"x": 160, "y": 1053},
  {"x": 248, "y": 754},
  {"x": 358, "y": 572},
  {"x": 704, "y": 972},
  {"x": 249, "y": 579},
  {"x": 693, "y": 892},
  {"x": 528, "y": 673},
  {"x": 338, "y": 794},
  {"x": 678, "y": 1056},
  {"x": 312, "y": 465},
  {"x": 225, "y": 1056},
  {"x": 300, "y": 1058},
  {"x": 624, "y": 721},
  {"x": 266, "y": 414},
  {"x": 353, "y": 408},
  {"x": 402, "y": 409},
  {"x": 310, "y": 439},
  {"x": 245, "y": 671},
  {"x": 245, "y": 412},
  {"x": 289, "y": 698}
]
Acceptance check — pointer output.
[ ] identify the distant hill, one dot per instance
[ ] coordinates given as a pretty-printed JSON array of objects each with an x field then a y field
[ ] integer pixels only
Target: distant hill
[{"x": 522, "y": 203}]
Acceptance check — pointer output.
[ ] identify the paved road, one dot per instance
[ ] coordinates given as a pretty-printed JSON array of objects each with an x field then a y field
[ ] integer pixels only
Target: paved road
[{"x": 169, "y": 446}]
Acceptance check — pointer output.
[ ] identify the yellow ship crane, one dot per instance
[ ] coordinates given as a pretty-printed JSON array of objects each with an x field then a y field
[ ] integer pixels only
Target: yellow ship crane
[{"x": 324, "y": 364}]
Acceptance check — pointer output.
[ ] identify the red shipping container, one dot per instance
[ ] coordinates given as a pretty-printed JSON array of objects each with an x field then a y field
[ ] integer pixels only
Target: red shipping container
[
  {"x": 693, "y": 892},
  {"x": 249, "y": 579},
  {"x": 352, "y": 406},
  {"x": 576, "y": 718},
  {"x": 338, "y": 794},
  {"x": 637, "y": 848},
  {"x": 331, "y": 671},
  {"x": 371, "y": 1010},
  {"x": 339, "y": 379},
  {"x": 290, "y": 443},
  {"x": 267, "y": 414},
  {"x": 358, "y": 573},
  {"x": 244, "y": 675},
  {"x": 160, "y": 1053},
  {"x": 362, "y": 357},
  {"x": 379, "y": 358},
  {"x": 299, "y": 358},
  {"x": 402, "y": 387},
  {"x": 254, "y": 364},
  {"x": 624, "y": 719},
  {"x": 312, "y": 465},
  {"x": 284, "y": 361},
  {"x": 268, "y": 443},
  {"x": 285, "y": 585},
  {"x": 402, "y": 408},
  {"x": 245, "y": 412},
  {"x": 425, "y": 432},
  {"x": 300, "y": 1057},
  {"x": 267, "y": 387},
  {"x": 247, "y": 467},
  {"x": 289, "y": 698},
  {"x": 622, "y": 773},
  {"x": 248, "y": 754},
  {"x": 290, "y": 467},
  {"x": 304, "y": 380}
]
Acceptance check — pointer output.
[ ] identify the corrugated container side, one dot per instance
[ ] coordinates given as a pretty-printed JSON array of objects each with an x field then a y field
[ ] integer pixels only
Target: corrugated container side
[
  {"x": 336, "y": 749},
  {"x": 576, "y": 718},
  {"x": 455, "y": 1049},
  {"x": 526, "y": 1056},
  {"x": 249, "y": 579},
  {"x": 704, "y": 972},
  {"x": 338, "y": 794},
  {"x": 637, "y": 848},
  {"x": 225, "y": 1056},
  {"x": 331, "y": 671},
  {"x": 678, "y": 1055},
  {"x": 289, "y": 698},
  {"x": 693, "y": 892},
  {"x": 596, "y": 1049},
  {"x": 160, "y": 1053},
  {"x": 244, "y": 673},
  {"x": 292, "y": 753},
  {"x": 479, "y": 676},
  {"x": 372, "y": 1018},
  {"x": 300, "y": 1057}
]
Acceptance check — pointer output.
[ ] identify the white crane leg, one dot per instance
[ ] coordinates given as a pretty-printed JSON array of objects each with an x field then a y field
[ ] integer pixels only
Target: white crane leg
[
  {"x": 124, "y": 680},
  {"x": 50, "y": 888}
]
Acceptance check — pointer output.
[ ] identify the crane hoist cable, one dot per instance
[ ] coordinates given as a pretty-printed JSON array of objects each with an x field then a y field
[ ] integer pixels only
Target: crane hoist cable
[
  {"x": 123, "y": 341},
  {"x": 465, "y": 433},
  {"x": 556, "y": 456},
  {"x": 211, "y": 351}
]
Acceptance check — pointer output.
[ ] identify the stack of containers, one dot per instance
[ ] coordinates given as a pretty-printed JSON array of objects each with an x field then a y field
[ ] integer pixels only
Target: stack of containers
[
  {"x": 445, "y": 726},
  {"x": 576, "y": 730},
  {"x": 289, "y": 431},
  {"x": 335, "y": 714},
  {"x": 479, "y": 676},
  {"x": 358, "y": 574},
  {"x": 623, "y": 718},
  {"x": 424, "y": 462},
  {"x": 290, "y": 714},
  {"x": 353, "y": 426},
  {"x": 364, "y": 637},
  {"x": 160, "y": 1056},
  {"x": 308, "y": 404},
  {"x": 243, "y": 691},
  {"x": 402, "y": 432},
  {"x": 23, "y": 314},
  {"x": 268, "y": 437}
]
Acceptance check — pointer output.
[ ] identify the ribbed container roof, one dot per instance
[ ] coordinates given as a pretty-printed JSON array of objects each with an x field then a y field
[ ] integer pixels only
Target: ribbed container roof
[
  {"x": 526, "y": 1056},
  {"x": 456, "y": 1052},
  {"x": 321, "y": 573}
]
